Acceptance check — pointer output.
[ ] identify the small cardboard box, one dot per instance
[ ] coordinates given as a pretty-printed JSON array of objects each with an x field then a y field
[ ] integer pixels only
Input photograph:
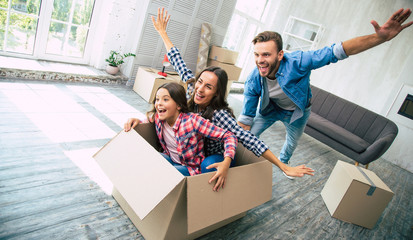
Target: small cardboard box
[
  {"x": 148, "y": 80},
  {"x": 162, "y": 203},
  {"x": 355, "y": 195},
  {"x": 232, "y": 71},
  {"x": 223, "y": 55}
]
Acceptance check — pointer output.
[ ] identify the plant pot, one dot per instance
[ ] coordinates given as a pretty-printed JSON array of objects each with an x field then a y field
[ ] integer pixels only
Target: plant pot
[{"x": 112, "y": 70}]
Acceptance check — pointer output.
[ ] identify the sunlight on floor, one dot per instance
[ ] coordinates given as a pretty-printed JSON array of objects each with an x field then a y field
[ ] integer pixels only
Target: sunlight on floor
[
  {"x": 110, "y": 105},
  {"x": 84, "y": 160},
  {"x": 61, "y": 118},
  {"x": 58, "y": 116}
]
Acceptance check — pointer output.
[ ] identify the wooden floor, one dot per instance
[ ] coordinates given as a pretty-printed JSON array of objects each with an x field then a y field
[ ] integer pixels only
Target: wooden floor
[{"x": 50, "y": 188}]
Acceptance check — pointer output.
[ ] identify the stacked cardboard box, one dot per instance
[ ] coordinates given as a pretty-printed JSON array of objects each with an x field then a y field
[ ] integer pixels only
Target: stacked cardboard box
[
  {"x": 148, "y": 80},
  {"x": 162, "y": 203},
  {"x": 225, "y": 59}
]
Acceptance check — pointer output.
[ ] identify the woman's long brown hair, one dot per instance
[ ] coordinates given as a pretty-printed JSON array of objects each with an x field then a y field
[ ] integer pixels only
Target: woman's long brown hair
[{"x": 218, "y": 102}]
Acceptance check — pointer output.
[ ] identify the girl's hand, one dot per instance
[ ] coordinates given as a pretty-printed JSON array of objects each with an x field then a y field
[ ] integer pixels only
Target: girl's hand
[
  {"x": 221, "y": 173},
  {"x": 131, "y": 123},
  {"x": 298, "y": 171}
]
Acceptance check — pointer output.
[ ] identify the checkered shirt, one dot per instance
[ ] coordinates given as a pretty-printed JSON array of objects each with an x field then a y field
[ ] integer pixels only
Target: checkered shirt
[
  {"x": 186, "y": 74},
  {"x": 221, "y": 118},
  {"x": 190, "y": 130}
]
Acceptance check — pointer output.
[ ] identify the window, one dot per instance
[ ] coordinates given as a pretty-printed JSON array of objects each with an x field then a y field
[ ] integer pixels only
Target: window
[
  {"x": 247, "y": 21},
  {"x": 48, "y": 29},
  {"x": 18, "y": 25}
]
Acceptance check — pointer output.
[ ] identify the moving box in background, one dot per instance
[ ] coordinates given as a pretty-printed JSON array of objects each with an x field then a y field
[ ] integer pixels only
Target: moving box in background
[
  {"x": 355, "y": 195},
  {"x": 223, "y": 55},
  {"x": 232, "y": 71},
  {"x": 148, "y": 80}
]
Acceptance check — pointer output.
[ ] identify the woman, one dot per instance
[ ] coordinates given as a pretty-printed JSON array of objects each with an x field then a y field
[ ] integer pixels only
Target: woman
[{"x": 207, "y": 98}]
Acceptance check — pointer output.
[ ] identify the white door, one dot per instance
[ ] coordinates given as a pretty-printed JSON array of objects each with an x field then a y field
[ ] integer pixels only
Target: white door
[{"x": 57, "y": 30}]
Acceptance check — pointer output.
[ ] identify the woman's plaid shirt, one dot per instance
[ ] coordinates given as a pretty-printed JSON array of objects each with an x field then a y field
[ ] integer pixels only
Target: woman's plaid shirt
[
  {"x": 190, "y": 130},
  {"x": 221, "y": 118}
]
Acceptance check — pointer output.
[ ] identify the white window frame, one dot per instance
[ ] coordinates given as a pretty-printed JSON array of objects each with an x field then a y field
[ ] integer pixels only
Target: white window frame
[
  {"x": 244, "y": 46},
  {"x": 44, "y": 18}
]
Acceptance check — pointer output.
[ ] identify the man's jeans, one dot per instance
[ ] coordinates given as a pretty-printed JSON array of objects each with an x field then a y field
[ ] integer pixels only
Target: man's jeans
[{"x": 293, "y": 130}]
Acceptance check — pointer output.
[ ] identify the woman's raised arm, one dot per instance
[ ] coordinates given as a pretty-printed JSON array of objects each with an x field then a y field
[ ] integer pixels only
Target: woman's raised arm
[{"x": 160, "y": 24}]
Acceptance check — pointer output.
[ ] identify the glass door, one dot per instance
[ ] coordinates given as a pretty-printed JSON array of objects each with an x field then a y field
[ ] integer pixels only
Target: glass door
[
  {"x": 18, "y": 25},
  {"x": 50, "y": 29}
]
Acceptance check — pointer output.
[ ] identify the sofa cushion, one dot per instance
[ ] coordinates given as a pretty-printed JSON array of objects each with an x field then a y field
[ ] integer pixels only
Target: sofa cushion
[{"x": 337, "y": 133}]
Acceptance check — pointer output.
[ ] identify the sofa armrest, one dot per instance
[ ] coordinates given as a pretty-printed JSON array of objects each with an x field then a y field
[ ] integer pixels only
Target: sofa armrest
[{"x": 377, "y": 148}]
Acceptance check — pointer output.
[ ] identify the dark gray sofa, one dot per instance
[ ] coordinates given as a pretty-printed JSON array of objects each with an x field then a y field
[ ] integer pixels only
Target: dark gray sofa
[{"x": 356, "y": 132}]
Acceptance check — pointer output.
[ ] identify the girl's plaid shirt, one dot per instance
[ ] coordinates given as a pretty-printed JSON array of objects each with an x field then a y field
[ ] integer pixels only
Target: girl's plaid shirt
[
  {"x": 190, "y": 130},
  {"x": 221, "y": 118}
]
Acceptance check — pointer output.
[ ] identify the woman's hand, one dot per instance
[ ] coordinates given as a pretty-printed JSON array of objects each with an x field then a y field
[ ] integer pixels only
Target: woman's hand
[
  {"x": 298, "y": 171},
  {"x": 161, "y": 20},
  {"x": 130, "y": 124},
  {"x": 160, "y": 24},
  {"x": 221, "y": 173},
  {"x": 245, "y": 127}
]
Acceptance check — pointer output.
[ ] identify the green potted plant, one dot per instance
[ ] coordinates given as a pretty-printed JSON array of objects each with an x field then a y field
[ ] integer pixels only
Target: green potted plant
[{"x": 115, "y": 59}]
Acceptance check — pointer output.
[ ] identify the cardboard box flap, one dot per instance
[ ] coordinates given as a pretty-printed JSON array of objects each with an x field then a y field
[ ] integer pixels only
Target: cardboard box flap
[
  {"x": 365, "y": 176},
  {"x": 246, "y": 187},
  {"x": 129, "y": 160}
]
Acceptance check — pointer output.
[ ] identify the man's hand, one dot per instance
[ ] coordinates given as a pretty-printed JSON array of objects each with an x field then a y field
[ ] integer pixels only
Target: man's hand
[
  {"x": 245, "y": 127},
  {"x": 388, "y": 31},
  {"x": 130, "y": 124},
  {"x": 221, "y": 173},
  {"x": 393, "y": 26}
]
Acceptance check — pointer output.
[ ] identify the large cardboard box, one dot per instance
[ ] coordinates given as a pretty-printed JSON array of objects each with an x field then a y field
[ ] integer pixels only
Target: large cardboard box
[
  {"x": 162, "y": 203},
  {"x": 232, "y": 71},
  {"x": 223, "y": 55},
  {"x": 356, "y": 195},
  {"x": 148, "y": 80}
]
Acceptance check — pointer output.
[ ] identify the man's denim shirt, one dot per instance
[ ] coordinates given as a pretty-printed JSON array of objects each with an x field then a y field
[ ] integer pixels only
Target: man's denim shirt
[{"x": 294, "y": 78}]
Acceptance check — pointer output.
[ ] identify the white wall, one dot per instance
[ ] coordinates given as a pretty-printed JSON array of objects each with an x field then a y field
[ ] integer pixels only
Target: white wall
[
  {"x": 118, "y": 28},
  {"x": 370, "y": 79}
]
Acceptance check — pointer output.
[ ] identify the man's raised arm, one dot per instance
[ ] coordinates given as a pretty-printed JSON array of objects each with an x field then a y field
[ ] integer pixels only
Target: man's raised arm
[{"x": 384, "y": 33}]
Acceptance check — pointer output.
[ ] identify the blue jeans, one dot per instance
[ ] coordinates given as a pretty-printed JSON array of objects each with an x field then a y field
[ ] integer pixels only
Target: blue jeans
[
  {"x": 293, "y": 130},
  {"x": 216, "y": 158},
  {"x": 181, "y": 168}
]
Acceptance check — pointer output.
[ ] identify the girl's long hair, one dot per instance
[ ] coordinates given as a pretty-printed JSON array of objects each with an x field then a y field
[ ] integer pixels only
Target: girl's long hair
[
  {"x": 218, "y": 102},
  {"x": 177, "y": 93}
]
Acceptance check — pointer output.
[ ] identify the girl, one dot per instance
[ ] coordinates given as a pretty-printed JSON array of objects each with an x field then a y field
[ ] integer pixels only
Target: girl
[{"x": 181, "y": 134}]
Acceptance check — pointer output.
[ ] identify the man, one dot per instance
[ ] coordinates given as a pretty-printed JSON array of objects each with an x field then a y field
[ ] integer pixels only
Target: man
[{"x": 282, "y": 80}]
